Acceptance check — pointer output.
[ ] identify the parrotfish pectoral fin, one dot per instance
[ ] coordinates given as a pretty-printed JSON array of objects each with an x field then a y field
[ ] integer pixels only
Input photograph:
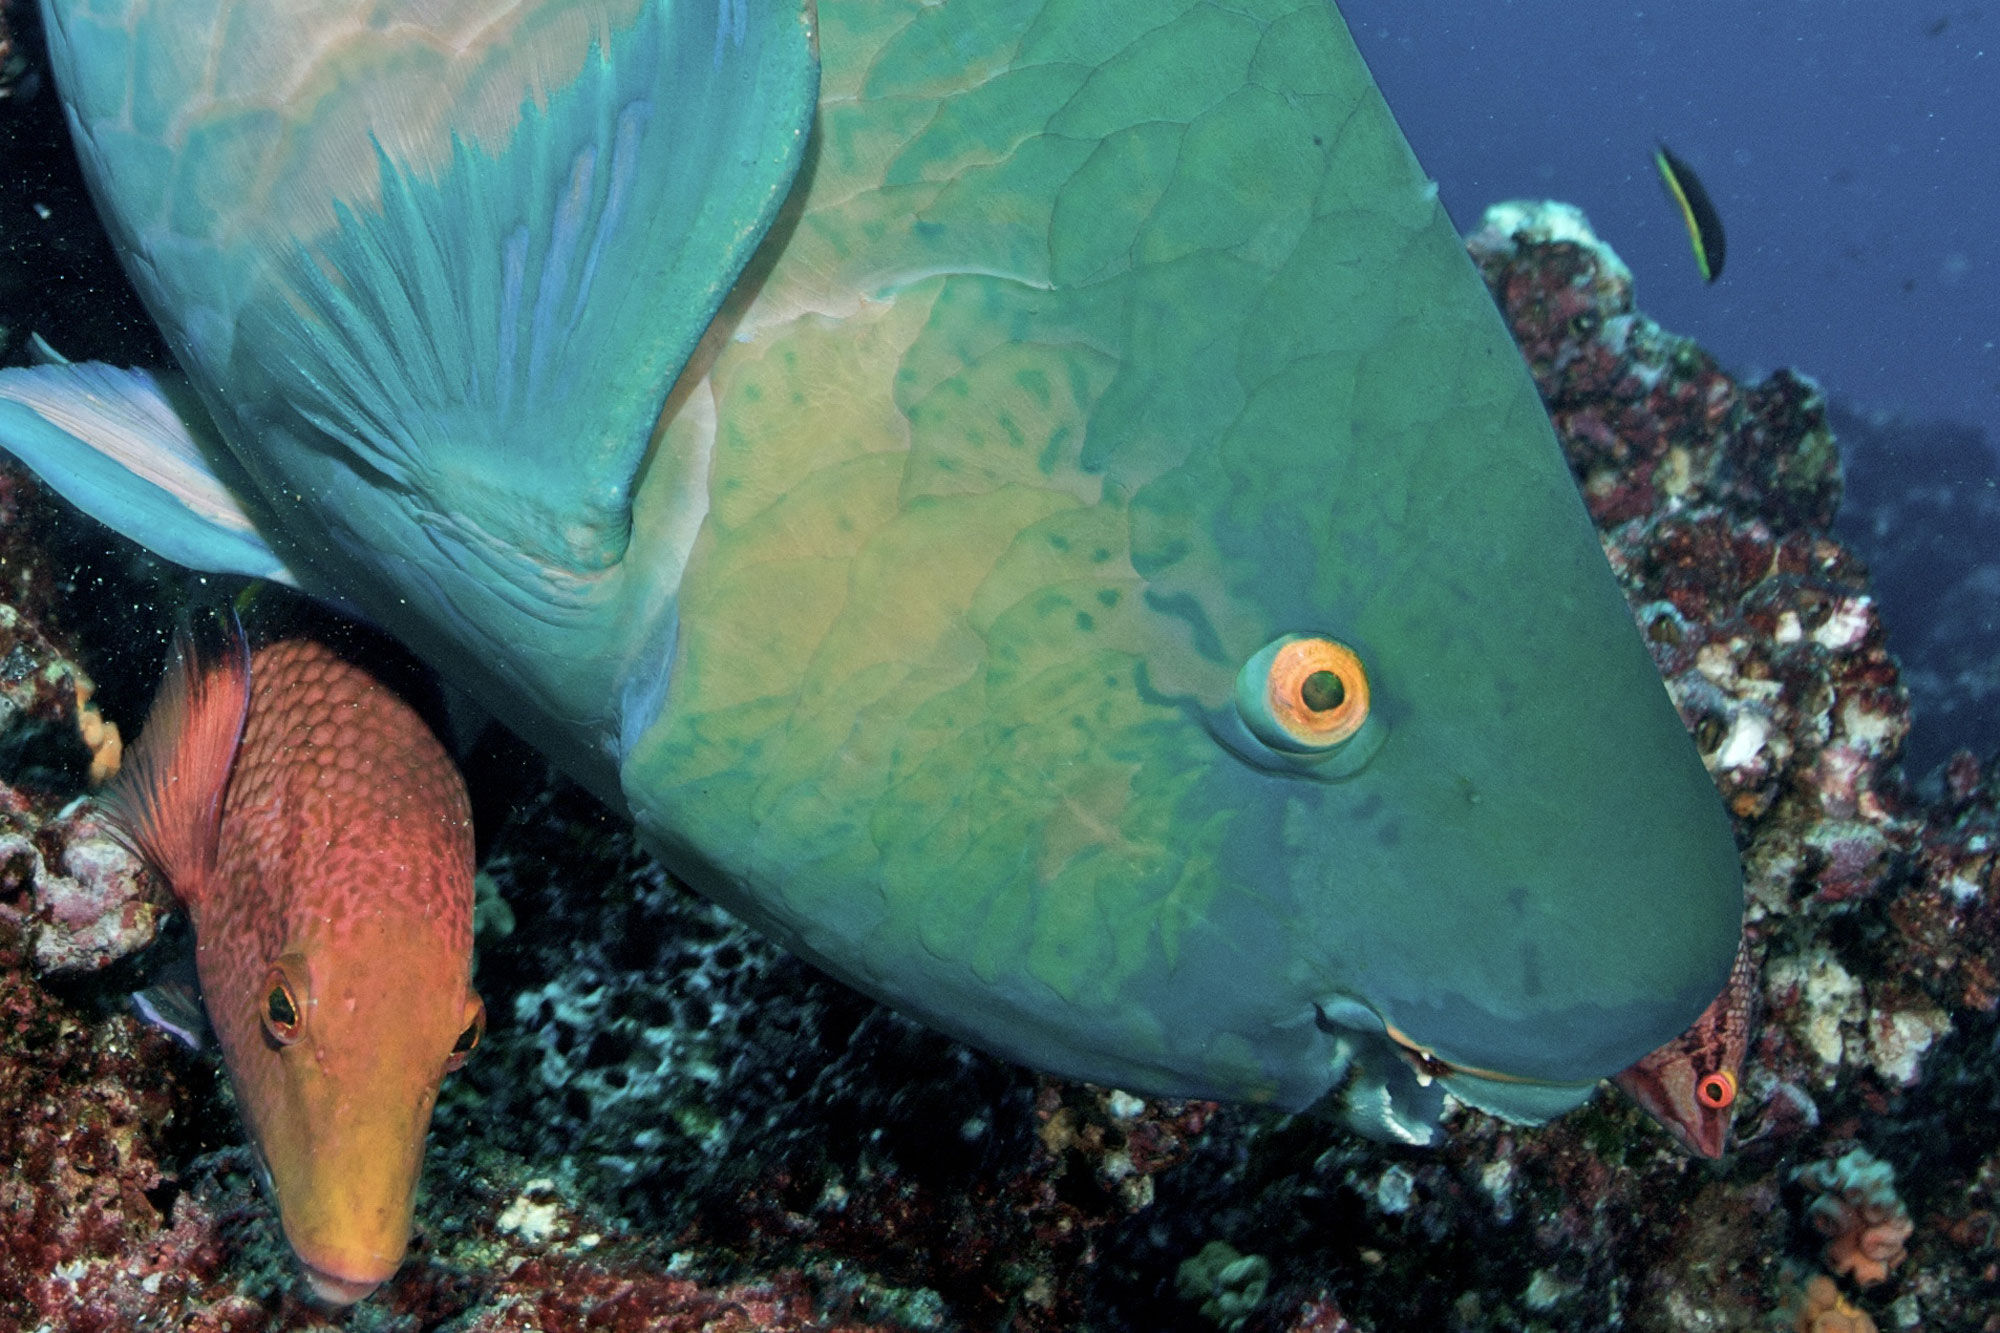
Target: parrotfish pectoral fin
[
  {"x": 134, "y": 450},
  {"x": 436, "y": 291},
  {"x": 497, "y": 334},
  {"x": 167, "y": 800}
]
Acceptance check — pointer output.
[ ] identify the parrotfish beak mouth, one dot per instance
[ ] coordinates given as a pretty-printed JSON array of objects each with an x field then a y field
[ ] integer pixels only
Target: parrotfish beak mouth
[{"x": 334, "y": 1291}]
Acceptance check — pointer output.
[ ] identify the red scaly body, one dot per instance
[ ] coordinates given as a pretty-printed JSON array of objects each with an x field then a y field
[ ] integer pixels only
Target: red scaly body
[{"x": 322, "y": 843}]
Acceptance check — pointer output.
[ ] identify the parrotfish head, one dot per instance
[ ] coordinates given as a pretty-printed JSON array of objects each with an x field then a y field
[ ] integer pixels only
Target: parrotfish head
[
  {"x": 1488, "y": 885},
  {"x": 1265, "y": 776},
  {"x": 1063, "y": 488},
  {"x": 337, "y": 1088}
]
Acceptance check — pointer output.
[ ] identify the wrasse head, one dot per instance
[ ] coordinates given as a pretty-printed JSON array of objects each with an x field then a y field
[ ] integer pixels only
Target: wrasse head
[{"x": 356, "y": 1040}]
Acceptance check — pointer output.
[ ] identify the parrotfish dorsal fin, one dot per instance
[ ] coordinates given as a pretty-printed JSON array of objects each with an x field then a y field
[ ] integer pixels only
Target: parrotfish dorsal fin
[
  {"x": 498, "y": 331},
  {"x": 167, "y": 800}
]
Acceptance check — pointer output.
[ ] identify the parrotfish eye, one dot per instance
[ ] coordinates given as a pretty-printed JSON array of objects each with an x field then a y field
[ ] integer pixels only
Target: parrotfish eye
[
  {"x": 1717, "y": 1090},
  {"x": 468, "y": 1040},
  {"x": 1303, "y": 694},
  {"x": 282, "y": 1019}
]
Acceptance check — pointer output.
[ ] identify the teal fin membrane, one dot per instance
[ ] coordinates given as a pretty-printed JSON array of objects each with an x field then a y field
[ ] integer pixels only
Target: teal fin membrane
[
  {"x": 1383, "y": 1099},
  {"x": 503, "y": 334},
  {"x": 134, "y": 450}
]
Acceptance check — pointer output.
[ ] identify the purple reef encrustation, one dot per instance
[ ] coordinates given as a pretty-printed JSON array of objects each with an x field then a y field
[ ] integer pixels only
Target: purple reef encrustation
[{"x": 672, "y": 1125}]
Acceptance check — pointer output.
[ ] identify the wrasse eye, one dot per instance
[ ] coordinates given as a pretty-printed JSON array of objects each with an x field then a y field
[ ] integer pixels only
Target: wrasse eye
[
  {"x": 283, "y": 1021},
  {"x": 1303, "y": 694},
  {"x": 468, "y": 1040},
  {"x": 1716, "y": 1090}
]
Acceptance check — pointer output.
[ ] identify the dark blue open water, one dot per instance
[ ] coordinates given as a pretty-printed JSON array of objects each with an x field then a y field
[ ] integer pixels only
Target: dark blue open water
[{"x": 1853, "y": 148}]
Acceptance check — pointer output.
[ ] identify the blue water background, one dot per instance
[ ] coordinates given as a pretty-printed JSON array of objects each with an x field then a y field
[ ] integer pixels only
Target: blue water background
[{"x": 1852, "y": 148}]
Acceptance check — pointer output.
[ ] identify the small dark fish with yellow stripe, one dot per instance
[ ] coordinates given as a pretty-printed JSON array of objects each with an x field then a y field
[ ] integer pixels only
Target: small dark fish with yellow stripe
[{"x": 1704, "y": 224}]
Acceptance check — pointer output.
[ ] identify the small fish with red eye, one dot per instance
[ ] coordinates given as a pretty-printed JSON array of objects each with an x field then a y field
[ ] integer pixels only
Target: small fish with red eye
[
  {"x": 1690, "y": 1085},
  {"x": 321, "y": 841}
]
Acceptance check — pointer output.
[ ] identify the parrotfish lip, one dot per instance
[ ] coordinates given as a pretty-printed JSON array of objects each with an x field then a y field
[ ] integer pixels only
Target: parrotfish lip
[{"x": 331, "y": 1290}]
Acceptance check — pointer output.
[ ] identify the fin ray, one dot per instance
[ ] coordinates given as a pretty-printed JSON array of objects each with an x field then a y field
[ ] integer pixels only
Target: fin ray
[
  {"x": 506, "y": 333},
  {"x": 166, "y": 802}
]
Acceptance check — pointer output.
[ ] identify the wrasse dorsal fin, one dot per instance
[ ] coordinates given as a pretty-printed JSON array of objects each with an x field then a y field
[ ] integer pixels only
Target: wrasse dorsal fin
[{"x": 167, "y": 801}]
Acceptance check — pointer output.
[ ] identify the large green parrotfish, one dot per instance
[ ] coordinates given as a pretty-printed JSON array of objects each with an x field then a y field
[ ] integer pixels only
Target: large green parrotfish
[{"x": 1026, "y": 501}]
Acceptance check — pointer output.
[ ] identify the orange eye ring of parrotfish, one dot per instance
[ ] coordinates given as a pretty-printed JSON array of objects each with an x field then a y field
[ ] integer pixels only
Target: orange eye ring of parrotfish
[
  {"x": 1303, "y": 694},
  {"x": 1717, "y": 1090}
]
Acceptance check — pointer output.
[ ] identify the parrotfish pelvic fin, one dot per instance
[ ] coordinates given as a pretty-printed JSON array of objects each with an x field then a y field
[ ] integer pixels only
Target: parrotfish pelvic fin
[
  {"x": 167, "y": 800},
  {"x": 136, "y": 450},
  {"x": 1691, "y": 1084}
]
